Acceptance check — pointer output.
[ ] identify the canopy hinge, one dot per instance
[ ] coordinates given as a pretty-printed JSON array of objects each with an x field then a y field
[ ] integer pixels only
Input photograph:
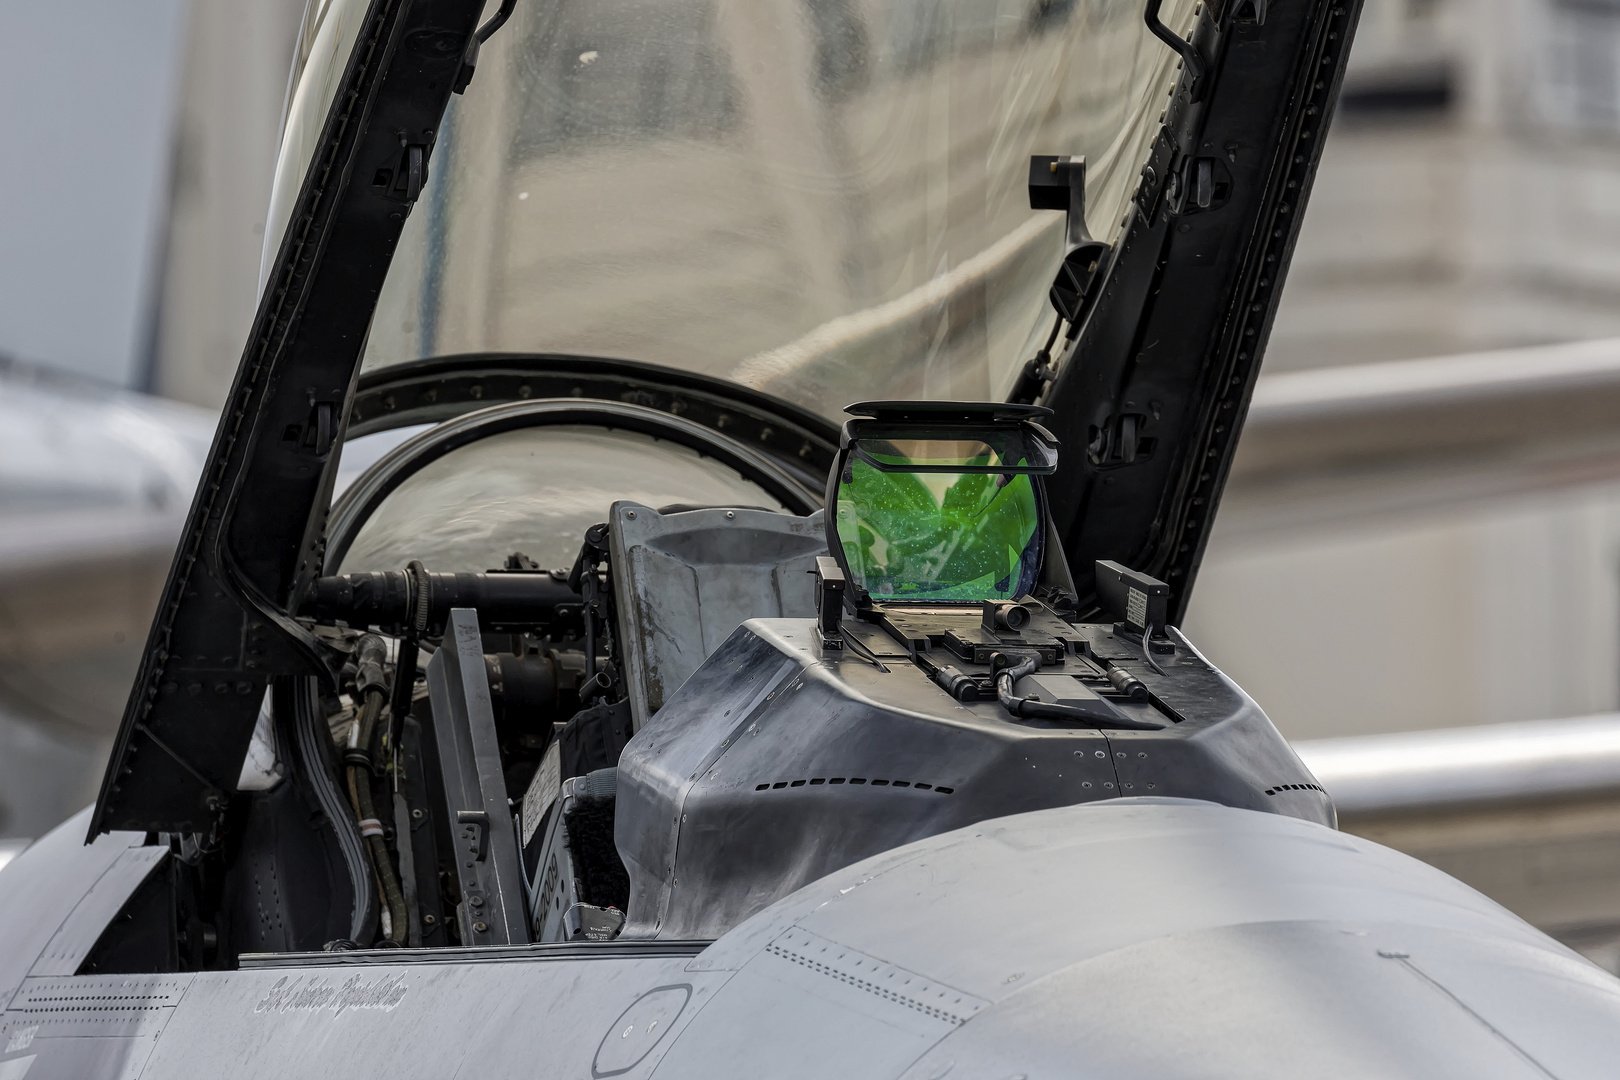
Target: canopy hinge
[{"x": 1059, "y": 183}]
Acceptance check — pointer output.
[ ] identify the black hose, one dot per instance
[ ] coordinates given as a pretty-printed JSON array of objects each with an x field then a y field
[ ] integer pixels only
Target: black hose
[
  {"x": 407, "y": 647},
  {"x": 1029, "y": 708},
  {"x": 313, "y": 763},
  {"x": 1006, "y": 679},
  {"x": 370, "y": 825}
]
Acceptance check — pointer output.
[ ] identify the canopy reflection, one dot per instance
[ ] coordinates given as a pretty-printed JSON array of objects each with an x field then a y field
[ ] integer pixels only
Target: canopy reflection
[{"x": 821, "y": 199}]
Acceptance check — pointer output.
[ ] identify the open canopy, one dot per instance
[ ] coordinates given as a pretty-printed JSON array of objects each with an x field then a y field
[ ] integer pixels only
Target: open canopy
[
  {"x": 746, "y": 213},
  {"x": 822, "y": 199}
]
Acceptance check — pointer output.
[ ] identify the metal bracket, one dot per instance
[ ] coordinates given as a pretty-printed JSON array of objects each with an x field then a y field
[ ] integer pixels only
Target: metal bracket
[
  {"x": 477, "y": 823},
  {"x": 586, "y": 580},
  {"x": 1118, "y": 440},
  {"x": 488, "y": 869},
  {"x": 1059, "y": 183},
  {"x": 830, "y": 586},
  {"x": 469, "y": 59},
  {"x": 1200, "y": 183},
  {"x": 1191, "y": 59}
]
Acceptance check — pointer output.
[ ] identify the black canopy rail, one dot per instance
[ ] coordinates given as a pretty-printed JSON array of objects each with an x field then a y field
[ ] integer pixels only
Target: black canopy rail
[
  {"x": 790, "y": 486},
  {"x": 1162, "y": 372},
  {"x": 440, "y": 388},
  {"x": 253, "y": 538}
]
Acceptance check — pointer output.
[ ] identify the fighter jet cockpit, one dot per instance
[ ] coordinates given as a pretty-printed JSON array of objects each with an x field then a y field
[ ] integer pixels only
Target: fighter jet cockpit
[
  {"x": 687, "y": 583},
  {"x": 771, "y": 434}
]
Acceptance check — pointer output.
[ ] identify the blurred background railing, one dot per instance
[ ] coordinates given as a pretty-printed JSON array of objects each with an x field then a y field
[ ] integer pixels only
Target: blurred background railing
[{"x": 1416, "y": 568}]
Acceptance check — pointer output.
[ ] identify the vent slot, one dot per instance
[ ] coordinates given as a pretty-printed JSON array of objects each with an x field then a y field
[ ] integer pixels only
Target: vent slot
[
  {"x": 132, "y": 1005},
  {"x": 818, "y": 781},
  {"x": 1294, "y": 787}
]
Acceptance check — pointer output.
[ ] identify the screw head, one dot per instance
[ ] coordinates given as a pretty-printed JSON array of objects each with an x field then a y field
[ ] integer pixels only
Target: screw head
[{"x": 481, "y": 926}]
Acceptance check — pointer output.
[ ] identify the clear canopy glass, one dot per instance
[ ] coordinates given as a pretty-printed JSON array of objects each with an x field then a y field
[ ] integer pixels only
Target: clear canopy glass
[
  {"x": 325, "y": 40},
  {"x": 821, "y": 199},
  {"x": 535, "y": 490}
]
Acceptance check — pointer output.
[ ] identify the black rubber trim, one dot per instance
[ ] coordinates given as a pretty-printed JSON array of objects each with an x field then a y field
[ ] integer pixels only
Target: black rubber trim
[{"x": 443, "y": 387}]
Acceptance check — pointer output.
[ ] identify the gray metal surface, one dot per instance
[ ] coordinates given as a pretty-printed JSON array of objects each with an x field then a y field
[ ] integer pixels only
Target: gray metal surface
[
  {"x": 100, "y": 1026},
  {"x": 41, "y": 887},
  {"x": 1148, "y": 938},
  {"x": 1129, "y": 938},
  {"x": 1162, "y": 938},
  {"x": 554, "y": 888},
  {"x": 1528, "y": 813},
  {"x": 777, "y": 763},
  {"x": 491, "y": 911},
  {"x": 98, "y": 907},
  {"x": 685, "y": 581}
]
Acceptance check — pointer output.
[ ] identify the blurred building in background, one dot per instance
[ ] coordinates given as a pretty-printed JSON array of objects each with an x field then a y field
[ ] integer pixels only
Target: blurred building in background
[
  {"x": 140, "y": 142},
  {"x": 226, "y": 131},
  {"x": 1422, "y": 530},
  {"x": 87, "y": 116},
  {"x": 1468, "y": 201}
]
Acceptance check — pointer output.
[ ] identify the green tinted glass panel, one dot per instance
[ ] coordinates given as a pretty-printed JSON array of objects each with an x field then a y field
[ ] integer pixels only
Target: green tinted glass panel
[{"x": 951, "y": 537}]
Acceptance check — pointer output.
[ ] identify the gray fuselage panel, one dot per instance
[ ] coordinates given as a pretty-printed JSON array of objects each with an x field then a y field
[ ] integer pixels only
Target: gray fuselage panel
[{"x": 779, "y": 762}]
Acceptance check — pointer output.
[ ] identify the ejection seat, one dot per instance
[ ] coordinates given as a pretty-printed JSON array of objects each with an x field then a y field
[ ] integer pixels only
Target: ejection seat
[{"x": 685, "y": 579}]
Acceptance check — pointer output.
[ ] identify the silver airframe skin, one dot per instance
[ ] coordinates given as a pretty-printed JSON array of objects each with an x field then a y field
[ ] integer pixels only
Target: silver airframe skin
[
  {"x": 555, "y": 747},
  {"x": 1127, "y": 938}
]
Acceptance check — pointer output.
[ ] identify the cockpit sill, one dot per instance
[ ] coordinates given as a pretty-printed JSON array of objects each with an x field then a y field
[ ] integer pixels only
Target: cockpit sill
[{"x": 477, "y": 954}]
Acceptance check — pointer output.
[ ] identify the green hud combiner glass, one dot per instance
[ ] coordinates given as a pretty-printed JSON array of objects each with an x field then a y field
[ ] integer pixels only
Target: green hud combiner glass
[{"x": 940, "y": 501}]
